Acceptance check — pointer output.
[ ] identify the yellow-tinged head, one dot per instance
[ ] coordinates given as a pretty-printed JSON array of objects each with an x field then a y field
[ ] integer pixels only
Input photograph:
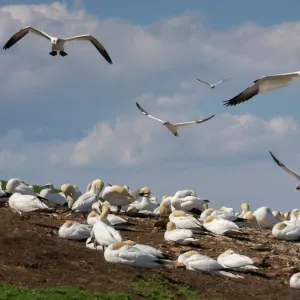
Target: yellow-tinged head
[
  {"x": 193, "y": 193},
  {"x": 205, "y": 205},
  {"x": 245, "y": 207},
  {"x": 126, "y": 187},
  {"x": 68, "y": 223},
  {"x": 190, "y": 253},
  {"x": 164, "y": 197},
  {"x": 130, "y": 243},
  {"x": 209, "y": 219},
  {"x": 68, "y": 189},
  {"x": 96, "y": 207},
  {"x": 117, "y": 245},
  {"x": 229, "y": 251},
  {"x": 276, "y": 214},
  {"x": 249, "y": 216},
  {"x": 145, "y": 190},
  {"x": 98, "y": 183},
  {"x": 286, "y": 216},
  {"x": 171, "y": 226},
  {"x": 280, "y": 225},
  {"x": 105, "y": 212},
  {"x": 162, "y": 209},
  {"x": 178, "y": 213}
]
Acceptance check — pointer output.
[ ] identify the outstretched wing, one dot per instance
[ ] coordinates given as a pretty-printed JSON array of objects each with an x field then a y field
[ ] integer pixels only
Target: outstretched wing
[
  {"x": 21, "y": 33},
  {"x": 204, "y": 82},
  {"x": 193, "y": 122},
  {"x": 226, "y": 79},
  {"x": 146, "y": 114},
  {"x": 280, "y": 164},
  {"x": 94, "y": 41}
]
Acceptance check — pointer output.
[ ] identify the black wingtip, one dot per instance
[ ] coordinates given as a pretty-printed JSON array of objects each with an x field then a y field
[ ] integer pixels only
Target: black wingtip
[
  {"x": 228, "y": 103},
  {"x": 137, "y": 105}
]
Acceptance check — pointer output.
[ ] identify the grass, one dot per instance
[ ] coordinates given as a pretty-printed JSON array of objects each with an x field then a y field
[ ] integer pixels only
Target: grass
[
  {"x": 9, "y": 292},
  {"x": 155, "y": 289},
  {"x": 165, "y": 289}
]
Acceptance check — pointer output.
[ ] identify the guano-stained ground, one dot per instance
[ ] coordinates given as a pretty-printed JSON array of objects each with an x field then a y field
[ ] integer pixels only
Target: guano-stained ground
[{"x": 34, "y": 256}]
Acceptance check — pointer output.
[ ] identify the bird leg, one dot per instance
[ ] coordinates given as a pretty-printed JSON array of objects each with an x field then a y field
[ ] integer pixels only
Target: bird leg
[
  {"x": 119, "y": 209},
  {"x": 63, "y": 53},
  {"x": 53, "y": 53}
]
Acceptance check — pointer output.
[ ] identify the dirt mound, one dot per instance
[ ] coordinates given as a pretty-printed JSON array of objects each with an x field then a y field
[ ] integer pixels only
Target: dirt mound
[{"x": 33, "y": 255}]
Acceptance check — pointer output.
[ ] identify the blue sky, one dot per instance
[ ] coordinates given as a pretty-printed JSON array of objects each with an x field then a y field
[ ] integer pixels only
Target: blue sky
[{"x": 74, "y": 119}]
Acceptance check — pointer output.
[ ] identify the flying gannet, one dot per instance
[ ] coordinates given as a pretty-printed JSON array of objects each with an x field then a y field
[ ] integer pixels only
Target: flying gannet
[
  {"x": 172, "y": 127},
  {"x": 262, "y": 85},
  {"x": 58, "y": 44},
  {"x": 280, "y": 164},
  {"x": 215, "y": 84}
]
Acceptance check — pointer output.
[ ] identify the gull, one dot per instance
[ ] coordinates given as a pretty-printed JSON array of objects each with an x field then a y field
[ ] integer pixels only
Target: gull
[
  {"x": 215, "y": 84},
  {"x": 262, "y": 85},
  {"x": 280, "y": 164},
  {"x": 58, "y": 43},
  {"x": 173, "y": 127}
]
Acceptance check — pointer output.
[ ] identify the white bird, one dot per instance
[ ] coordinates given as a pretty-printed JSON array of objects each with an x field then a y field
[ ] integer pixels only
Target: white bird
[
  {"x": 149, "y": 249},
  {"x": 17, "y": 185},
  {"x": 232, "y": 260},
  {"x": 58, "y": 44},
  {"x": 215, "y": 84},
  {"x": 205, "y": 264},
  {"x": 189, "y": 203},
  {"x": 179, "y": 236},
  {"x": 173, "y": 127},
  {"x": 288, "y": 232},
  {"x": 295, "y": 281},
  {"x": 262, "y": 85},
  {"x": 72, "y": 230},
  {"x": 84, "y": 202},
  {"x": 48, "y": 193},
  {"x": 206, "y": 213},
  {"x": 286, "y": 169},
  {"x": 184, "y": 220},
  {"x": 119, "y": 196},
  {"x": 265, "y": 218},
  {"x": 220, "y": 226},
  {"x": 122, "y": 253},
  {"x": 27, "y": 204},
  {"x": 165, "y": 206},
  {"x": 145, "y": 204},
  {"x": 104, "y": 234}
]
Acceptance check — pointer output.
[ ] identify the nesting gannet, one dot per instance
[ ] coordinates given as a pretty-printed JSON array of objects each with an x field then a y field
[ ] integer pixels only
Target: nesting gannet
[
  {"x": 27, "y": 204},
  {"x": 148, "y": 249},
  {"x": 145, "y": 204},
  {"x": 183, "y": 220},
  {"x": 179, "y": 236},
  {"x": 288, "y": 232},
  {"x": 206, "y": 213},
  {"x": 72, "y": 230},
  {"x": 58, "y": 44},
  {"x": 189, "y": 203},
  {"x": 104, "y": 234},
  {"x": 122, "y": 253},
  {"x": 295, "y": 281},
  {"x": 215, "y": 84},
  {"x": 221, "y": 226},
  {"x": 173, "y": 127},
  {"x": 262, "y": 85},
  {"x": 235, "y": 261},
  {"x": 48, "y": 193},
  {"x": 265, "y": 218},
  {"x": 119, "y": 196},
  {"x": 251, "y": 220},
  {"x": 280, "y": 164},
  {"x": 17, "y": 185},
  {"x": 205, "y": 264},
  {"x": 165, "y": 206},
  {"x": 245, "y": 208},
  {"x": 84, "y": 202}
]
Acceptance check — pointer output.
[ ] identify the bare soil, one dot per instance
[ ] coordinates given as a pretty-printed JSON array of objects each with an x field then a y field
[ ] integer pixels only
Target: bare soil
[{"x": 32, "y": 255}]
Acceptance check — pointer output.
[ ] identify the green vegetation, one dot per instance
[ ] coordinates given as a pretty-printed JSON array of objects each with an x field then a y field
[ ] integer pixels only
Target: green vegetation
[
  {"x": 155, "y": 289},
  {"x": 165, "y": 289},
  {"x": 9, "y": 292}
]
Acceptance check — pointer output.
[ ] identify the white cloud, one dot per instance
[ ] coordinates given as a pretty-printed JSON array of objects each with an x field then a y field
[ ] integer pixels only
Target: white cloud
[{"x": 74, "y": 118}]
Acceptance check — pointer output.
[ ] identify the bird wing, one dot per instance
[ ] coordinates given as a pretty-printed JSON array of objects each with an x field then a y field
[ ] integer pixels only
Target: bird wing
[
  {"x": 146, "y": 114},
  {"x": 226, "y": 79},
  {"x": 193, "y": 122},
  {"x": 280, "y": 164},
  {"x": 203, "y": 81},
  {"x": 94, "y": 41},
  {"x": 247, "y": 94},
  {"x": 137, "y": 255},
  {"x": 21, "y": 33},
  {"x": 234, "y": 260}
]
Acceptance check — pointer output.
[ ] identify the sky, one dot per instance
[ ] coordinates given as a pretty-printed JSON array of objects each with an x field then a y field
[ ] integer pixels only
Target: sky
[{"x": 74, "y": 119}]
